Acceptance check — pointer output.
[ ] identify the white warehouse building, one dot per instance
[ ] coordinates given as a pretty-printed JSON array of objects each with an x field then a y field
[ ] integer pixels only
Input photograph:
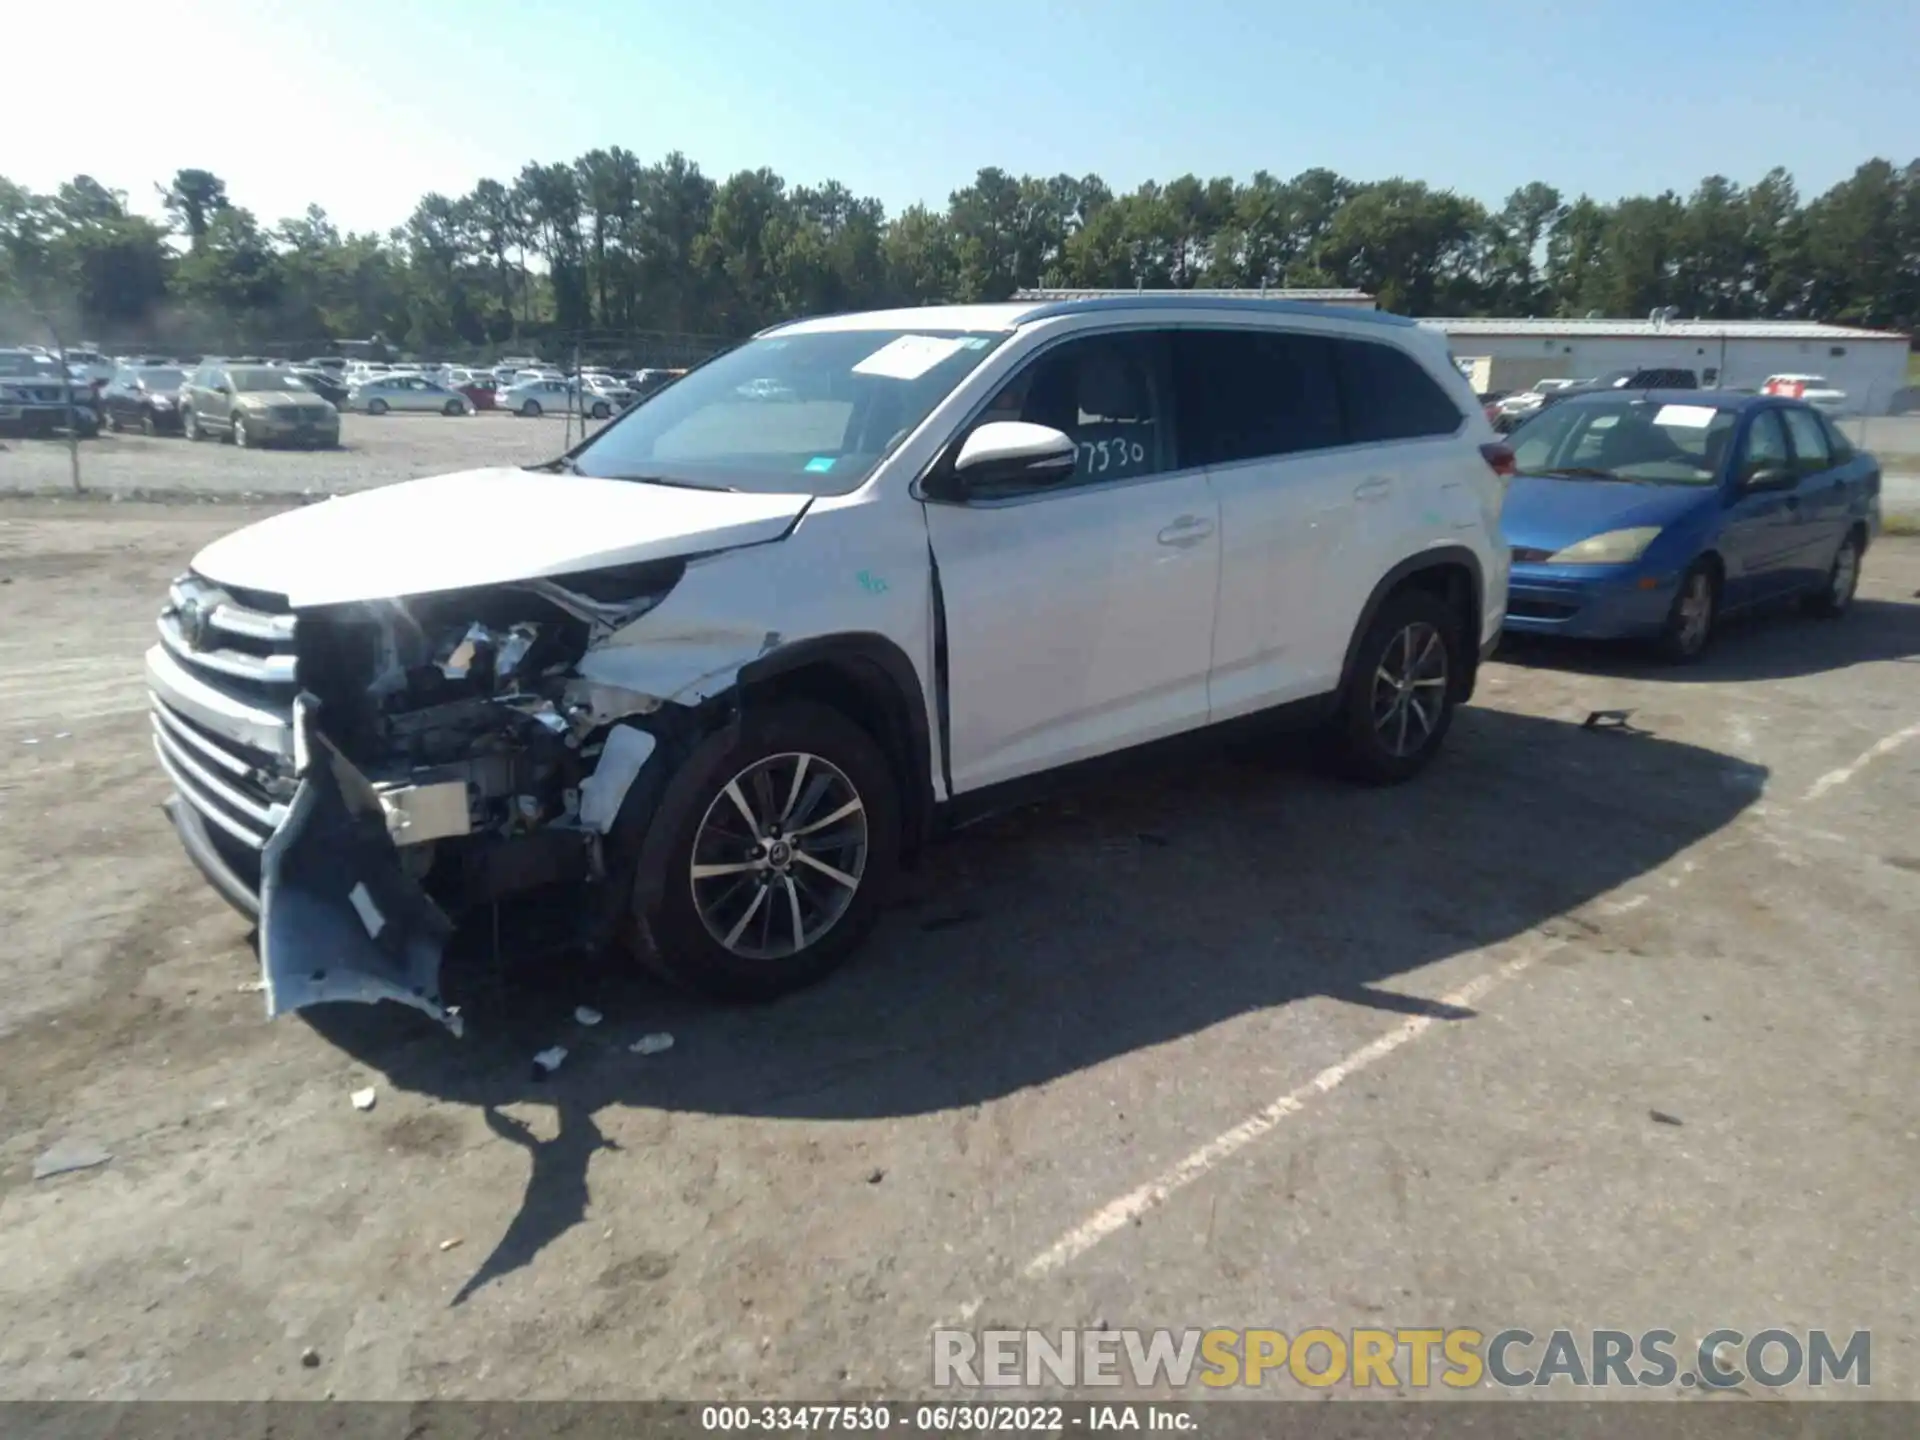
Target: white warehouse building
[{"x": 1870, "y": 365}]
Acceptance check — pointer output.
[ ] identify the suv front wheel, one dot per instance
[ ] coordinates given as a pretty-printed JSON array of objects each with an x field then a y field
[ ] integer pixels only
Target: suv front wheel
[
  {"x": 1399, "y": 701},
  {"x": 780, "y": 841}
]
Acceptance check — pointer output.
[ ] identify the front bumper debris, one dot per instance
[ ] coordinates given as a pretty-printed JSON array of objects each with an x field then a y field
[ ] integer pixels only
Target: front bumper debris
[{"x": 340, "y": 919}]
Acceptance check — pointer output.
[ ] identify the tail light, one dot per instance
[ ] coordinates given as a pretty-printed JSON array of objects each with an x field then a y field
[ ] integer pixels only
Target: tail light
[{"x": 1499, "y": 459}]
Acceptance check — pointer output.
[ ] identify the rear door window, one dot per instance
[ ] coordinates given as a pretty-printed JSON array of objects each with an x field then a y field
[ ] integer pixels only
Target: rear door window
[
  {"x": 1388, "y": 395},
  {"x": 1251, "y": 394}
]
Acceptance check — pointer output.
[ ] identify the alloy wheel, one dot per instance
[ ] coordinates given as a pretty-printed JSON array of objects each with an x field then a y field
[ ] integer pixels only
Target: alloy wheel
[
  {"x": 1410, "y": 689},
  {"x": 1696, "y": 614},
  {"x": 1846, "y": 575},
  {"x": 779, "y": 856}
]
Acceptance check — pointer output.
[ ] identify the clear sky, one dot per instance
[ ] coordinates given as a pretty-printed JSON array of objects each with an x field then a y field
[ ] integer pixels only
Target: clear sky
[{"x": 363, "y": 106}]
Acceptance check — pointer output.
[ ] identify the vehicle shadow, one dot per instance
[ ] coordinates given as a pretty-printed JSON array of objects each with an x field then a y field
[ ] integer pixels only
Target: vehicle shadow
[
  {"x": 1172, "y": 897},
  {"x": 1772, "y": 644}
]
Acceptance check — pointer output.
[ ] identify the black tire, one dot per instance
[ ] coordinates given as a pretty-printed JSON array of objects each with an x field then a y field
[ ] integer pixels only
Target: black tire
[
  {"x": 113, "y": 421},
  {"x": 531, "y": 410},
  {"x": 683, "y": 948},
  {"x": 147, "y": 427},
  {"x": 1384, "y": 733},
  {"x": 1835, "y": 595},
  {"x": 1688, "y": 630},
  {"x": 376, "y": 406},
  {"x": 190, "y": 424},
  {"x": 453, "y": 407},
  {"x": 243, "y": 438},
  {"x": 600, "y": 410}
]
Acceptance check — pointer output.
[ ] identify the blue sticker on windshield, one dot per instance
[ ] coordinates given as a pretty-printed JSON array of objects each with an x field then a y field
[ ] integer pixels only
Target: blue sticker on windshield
[{"x": 819, "y": 464}]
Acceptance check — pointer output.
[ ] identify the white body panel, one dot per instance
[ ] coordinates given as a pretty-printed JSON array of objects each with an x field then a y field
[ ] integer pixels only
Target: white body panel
[
  {"x": 1076, "y": 623},
  {"x": 481, "y": 527}
]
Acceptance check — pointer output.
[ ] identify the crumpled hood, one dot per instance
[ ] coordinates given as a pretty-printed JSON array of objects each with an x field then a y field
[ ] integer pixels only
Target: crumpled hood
[
  {"x": 483, "y": 527},
  {"x": 1548, "y": 514}
]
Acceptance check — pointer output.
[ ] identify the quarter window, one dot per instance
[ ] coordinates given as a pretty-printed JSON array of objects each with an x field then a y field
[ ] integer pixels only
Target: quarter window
[
  {"x": 1247, "y": 394},
  {"x": 1810, "y": 455},
  {"x": 1388, "y": 395}
]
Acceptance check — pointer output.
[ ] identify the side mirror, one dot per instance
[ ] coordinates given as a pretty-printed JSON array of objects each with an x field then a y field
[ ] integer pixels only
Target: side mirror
[
  {"x": 1013, "y": 452},
  {"x": 221, "y": 390},
  {"x": 1769, "y": 477}
]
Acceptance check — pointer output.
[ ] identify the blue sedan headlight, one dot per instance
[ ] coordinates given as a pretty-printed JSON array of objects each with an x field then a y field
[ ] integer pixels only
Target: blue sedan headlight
[{"x": 1612, "y": 547}]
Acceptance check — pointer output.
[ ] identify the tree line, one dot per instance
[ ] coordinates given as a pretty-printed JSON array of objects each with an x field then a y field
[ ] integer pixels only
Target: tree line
[{"x": 611, "y": 246}]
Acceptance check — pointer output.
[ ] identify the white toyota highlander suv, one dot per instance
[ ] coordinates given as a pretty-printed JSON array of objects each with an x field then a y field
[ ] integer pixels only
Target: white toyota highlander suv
[{"x": 727, "y": 664}]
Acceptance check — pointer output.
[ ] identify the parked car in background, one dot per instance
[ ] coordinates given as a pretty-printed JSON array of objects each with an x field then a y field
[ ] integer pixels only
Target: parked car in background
[
  {"x": 335, "y": 365},
  {"x": 609, "y": 388},
  {"x": 38, "y": 396},
  {"x": 144, "y": 398},
  {"x": 555, "y": 397},
  {"x": 479, "y": 389},
  {"x": 325, "y": 384},
  {"x": 1816, "y": 390},
  {"x": 646, "y": 382},
  {"x": 1653, "y": 514},
  {"x": 255, "y": 405},
  {"x": 409, "y": 393}
]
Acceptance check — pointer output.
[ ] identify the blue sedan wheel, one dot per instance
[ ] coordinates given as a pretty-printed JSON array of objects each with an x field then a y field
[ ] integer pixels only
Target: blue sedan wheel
[{"x": 1690, "y": 623}]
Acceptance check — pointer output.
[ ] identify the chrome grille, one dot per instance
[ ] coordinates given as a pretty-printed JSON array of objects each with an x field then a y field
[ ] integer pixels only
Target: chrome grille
[{"x": 223, "y": 679}]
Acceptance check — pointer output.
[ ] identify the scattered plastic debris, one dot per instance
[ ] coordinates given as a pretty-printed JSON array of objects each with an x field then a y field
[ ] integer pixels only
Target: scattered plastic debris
[
  {"x": 249, "y": 987},
  {"x": 548, "y": 1061},
  {"x": 69, "y": 1155},
  {"x": 587, "y": 1015},
  {"x": 30, "y": 740},
  {"x": 64, "y": 735},
  {"x": 1660, "y": 1117},
  {"x": 876, "y": 1176},
  {"x": 1610, "y": 720},
  {"x": 450, "y": 1244},
  {"x": 652, "y": 1044},
  {"x": 363, "y": 1099},
  {"x": 310, "y": 1358}
]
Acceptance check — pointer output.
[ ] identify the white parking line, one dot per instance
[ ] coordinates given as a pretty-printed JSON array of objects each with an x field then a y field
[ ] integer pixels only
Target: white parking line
[
  {"x": 1845, "y": 773},
  {"x": 1118, "y": 1214}
]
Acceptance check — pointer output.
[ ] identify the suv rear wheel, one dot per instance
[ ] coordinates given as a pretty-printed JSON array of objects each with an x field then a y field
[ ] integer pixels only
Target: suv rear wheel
[
  {"x": 1399, "y": 701},
  {"x": 781, "y": 840}
]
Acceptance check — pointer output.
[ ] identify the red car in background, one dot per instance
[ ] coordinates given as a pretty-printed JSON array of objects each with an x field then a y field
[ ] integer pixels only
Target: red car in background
[{"x": 480, "y": 392}]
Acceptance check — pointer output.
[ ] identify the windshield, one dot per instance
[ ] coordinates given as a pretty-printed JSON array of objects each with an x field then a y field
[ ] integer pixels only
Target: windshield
[
  {"x": 1634, "y": 440},
  {"x": 796, "y": 414},
  {"x": 160, "y": 379},
  {"x": 265, "y": 379}
]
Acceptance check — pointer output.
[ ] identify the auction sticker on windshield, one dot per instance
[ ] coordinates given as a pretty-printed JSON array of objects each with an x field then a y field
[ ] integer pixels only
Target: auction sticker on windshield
[
  {"x": 1691, "y": 416},
  {"x": 908, "y": 357}
]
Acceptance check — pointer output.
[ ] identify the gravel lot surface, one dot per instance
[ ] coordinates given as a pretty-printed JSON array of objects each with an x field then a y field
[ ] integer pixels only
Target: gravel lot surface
[
  {"x": 1221, "y": 1043},
  {"x": 373, "y": 451}
]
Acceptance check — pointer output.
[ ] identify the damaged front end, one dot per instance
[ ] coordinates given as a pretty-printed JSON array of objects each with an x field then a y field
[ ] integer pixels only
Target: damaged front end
[{"x": 357, "y": 775}]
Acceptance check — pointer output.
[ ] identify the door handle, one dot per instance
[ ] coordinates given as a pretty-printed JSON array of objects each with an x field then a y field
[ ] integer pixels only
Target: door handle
[
  {"x": 1374, "y": 487},
  {"x": 1187, "y": 530}
]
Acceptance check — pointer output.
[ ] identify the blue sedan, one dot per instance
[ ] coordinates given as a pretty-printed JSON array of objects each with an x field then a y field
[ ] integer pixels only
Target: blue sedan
[{"x": 1651, "y": 514}]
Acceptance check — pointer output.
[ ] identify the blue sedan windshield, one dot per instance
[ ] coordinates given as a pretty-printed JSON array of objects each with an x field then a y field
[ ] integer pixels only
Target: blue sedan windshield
[{"x": 1635, "y": 439}]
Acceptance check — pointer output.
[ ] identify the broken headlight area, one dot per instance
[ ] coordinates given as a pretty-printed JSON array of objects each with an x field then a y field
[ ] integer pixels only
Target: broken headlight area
[{"x": 438, "y": 770}]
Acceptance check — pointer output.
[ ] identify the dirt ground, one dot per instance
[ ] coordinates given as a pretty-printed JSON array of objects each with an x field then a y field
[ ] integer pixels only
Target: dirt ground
[{"x": 1580, "y": 1029}]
